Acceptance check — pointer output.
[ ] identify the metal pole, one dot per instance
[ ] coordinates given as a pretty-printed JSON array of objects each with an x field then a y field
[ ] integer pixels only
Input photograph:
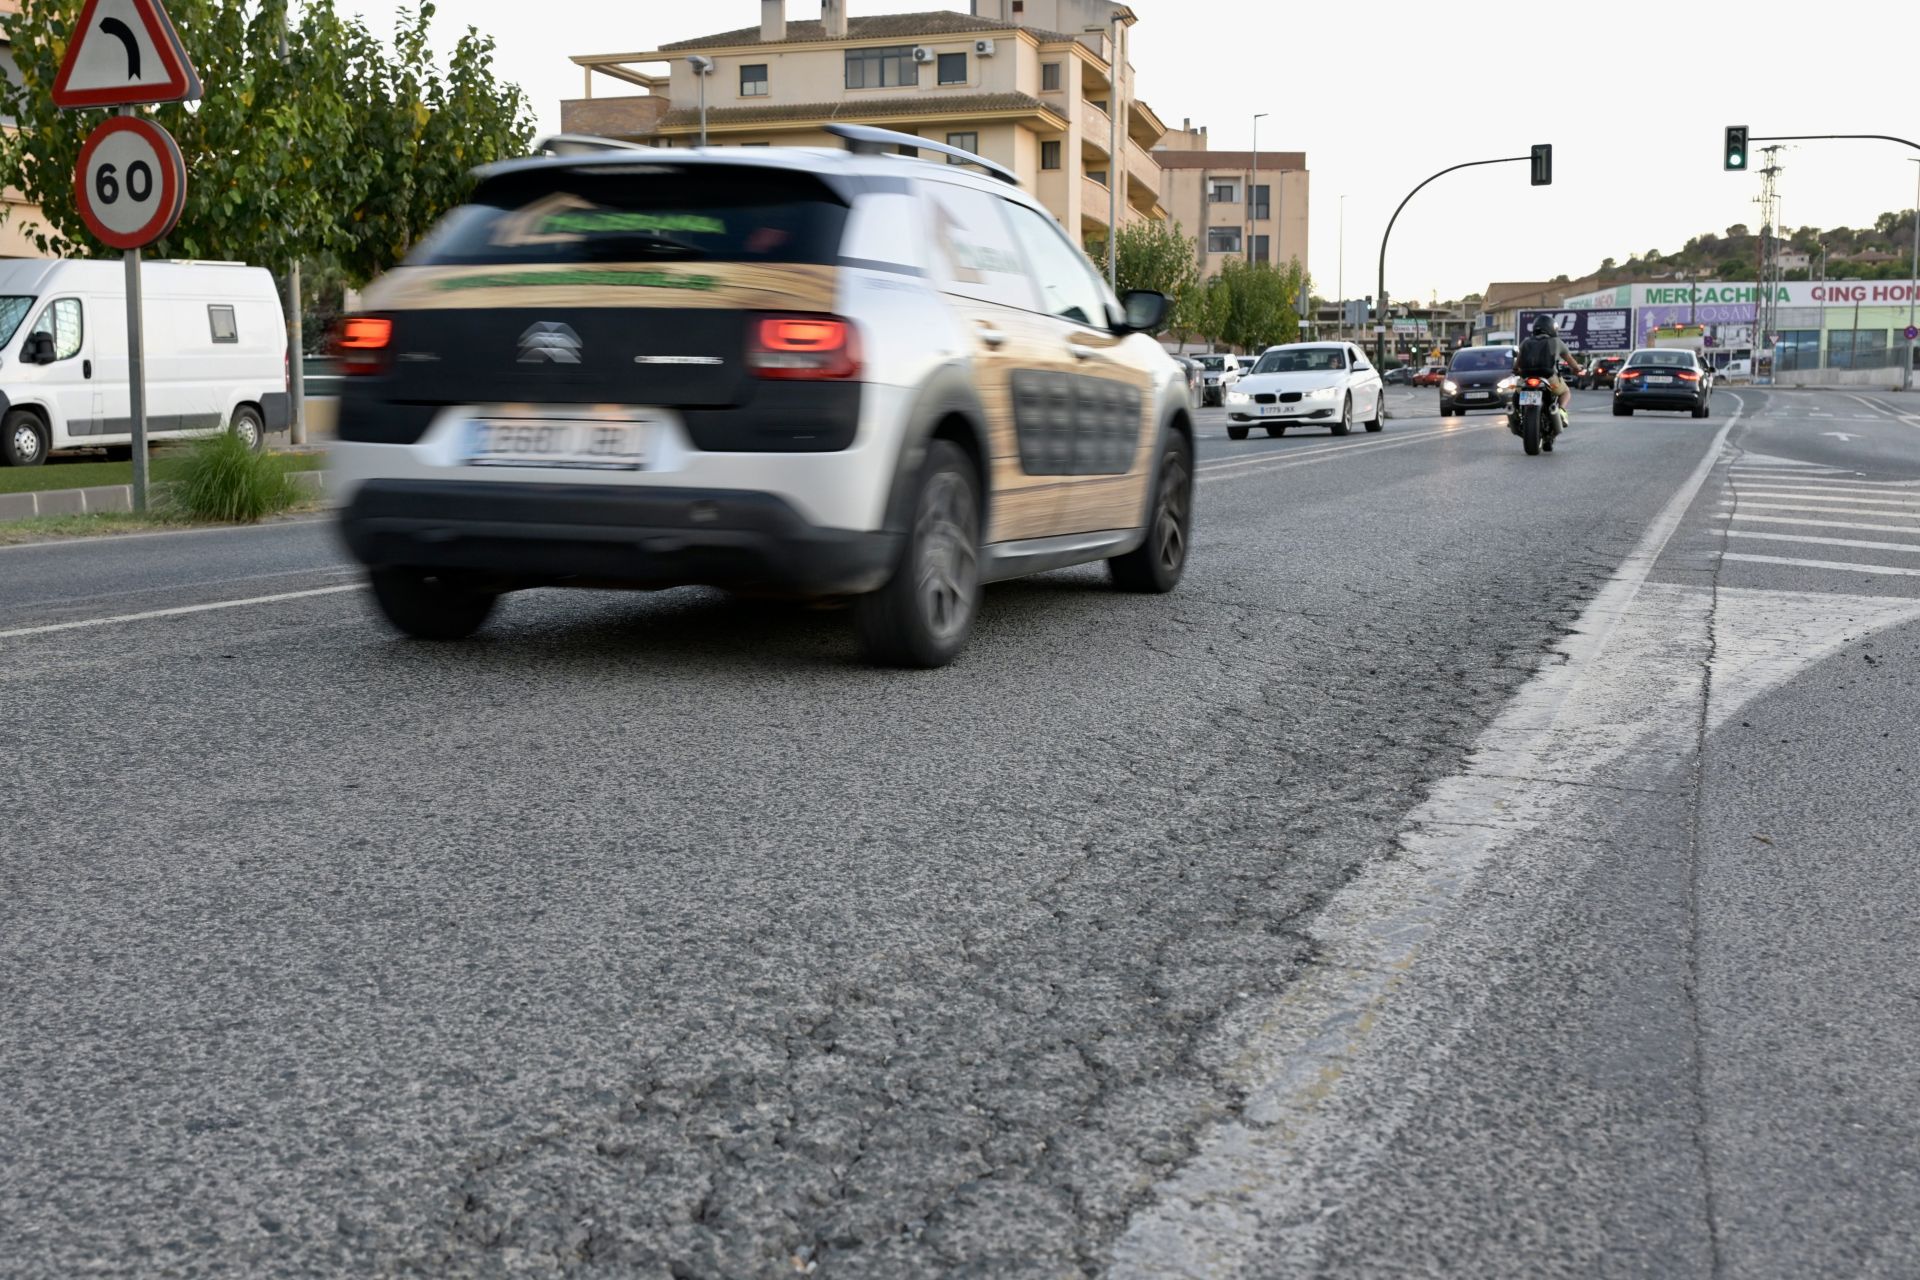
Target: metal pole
[
  {"x": 1906, "y": 376},
  {"x": 296, "y": 308},
  {"x": 1380, "y": 337},
  {"x": 1343, "y": 266},
  {"x": 1114, "y": 158},
  {"x": 136, "y": 372},
  {"x": 1253, "y": 228}
]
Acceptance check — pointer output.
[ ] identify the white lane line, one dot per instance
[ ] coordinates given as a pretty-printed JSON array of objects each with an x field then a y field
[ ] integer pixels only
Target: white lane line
[
  {"x": 1882, "y": 512},
  {"x": 1819, "y": 524},
  {"x": 1352, "y": 446},
  {"x": 1841, "y": 566},
  {"x": 1872, "y": 498},
  {"x": 44, "y": 543},
  {"x": 1789, "y": 473},
  {"x": 1285, "y": 461},
  {"x": 175, "y": 612},
  {"x": 1887, "y": 411},
  {"x": 1299, "y": 1055},
  {"x": 1826, "y": 542},
  {"x": 1769, "y": 460},
  {"x": 1841, "y": 483}
]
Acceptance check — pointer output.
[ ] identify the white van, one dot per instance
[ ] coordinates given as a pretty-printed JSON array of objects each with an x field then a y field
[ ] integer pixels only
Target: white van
[{"x": 216, "y": 355}]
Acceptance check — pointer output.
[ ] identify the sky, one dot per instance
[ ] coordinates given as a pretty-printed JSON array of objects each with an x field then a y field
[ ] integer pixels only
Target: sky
[{"x": 1381, "y": 96}]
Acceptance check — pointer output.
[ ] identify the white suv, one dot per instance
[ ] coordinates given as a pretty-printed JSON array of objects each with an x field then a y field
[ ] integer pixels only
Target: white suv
[
  {"x": 799, "y": 372},
  {"x": 1218, "y": 375}
]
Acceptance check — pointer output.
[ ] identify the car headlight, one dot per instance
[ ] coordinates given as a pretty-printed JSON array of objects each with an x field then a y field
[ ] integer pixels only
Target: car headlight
[
  {"x": 1239, "y": 397},
  {"x": 1450, "y": 387},
  {"x": 1323, "y": 393},
  {"x": 1508, "y": 384}
]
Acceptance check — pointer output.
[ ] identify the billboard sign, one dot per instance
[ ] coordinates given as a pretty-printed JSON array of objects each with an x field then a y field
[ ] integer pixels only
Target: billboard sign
[{"x": 1595, "y": 329}]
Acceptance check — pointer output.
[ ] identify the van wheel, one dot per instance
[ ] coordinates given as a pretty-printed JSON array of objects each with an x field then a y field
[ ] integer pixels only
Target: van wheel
[
  {"x": 248, "y": 426},
  {"x": 1156, "y": 564},
  {"x": 428, "y": 607},
  {"x": 922, "y": 617},
  {"x": 23, "y": 439}
]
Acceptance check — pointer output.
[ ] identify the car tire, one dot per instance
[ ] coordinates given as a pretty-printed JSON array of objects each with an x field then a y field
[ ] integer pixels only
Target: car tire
[
  {"x": 1345, "y": 424},
  {"x": 248, "y": 425},
  {"x": 1622, "y": 411},
  {"x": 1155, "y": 566},
  {"x": 1236, "y": 433},
  {"x": 924, "y": 614},
  {"x": 428, "y": 606},
  {"x": 1445, "y": 409},
  {"x": 119, "y": 452},
  {"x": 23, "y": 439},
  {"x": 1701, "y": 410},
  {"x": 1378, "y": 422},
  {"x": 1276, "y": 432}
]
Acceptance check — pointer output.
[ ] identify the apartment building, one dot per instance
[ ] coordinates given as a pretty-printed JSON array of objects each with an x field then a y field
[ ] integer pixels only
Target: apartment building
[
  {"x": 1043, "y": 87},
  {"x": 1235, "y": 204},
  {"x": 19, "y": 215}
]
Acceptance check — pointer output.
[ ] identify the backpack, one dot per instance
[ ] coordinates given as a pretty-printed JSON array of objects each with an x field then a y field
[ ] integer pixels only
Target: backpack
[{"x": 1536, "y": 356}]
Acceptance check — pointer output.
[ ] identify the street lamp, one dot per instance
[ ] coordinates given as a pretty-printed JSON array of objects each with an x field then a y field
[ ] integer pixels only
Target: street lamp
[
  {"x": 1343, "y": 266},
  {"x": 1906, "y": 378},
  {"x": 702, "y": 68},
  {"x": 1254, "y": 181}
]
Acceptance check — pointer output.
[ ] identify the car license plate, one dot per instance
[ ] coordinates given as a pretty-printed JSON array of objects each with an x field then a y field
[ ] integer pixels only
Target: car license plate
[
  {"x": 1476, "y": 395},
  {"x": 1529, "y": 397},
  {"x": 593, "y": 444},
  {"x": 1660, "y": 381}
]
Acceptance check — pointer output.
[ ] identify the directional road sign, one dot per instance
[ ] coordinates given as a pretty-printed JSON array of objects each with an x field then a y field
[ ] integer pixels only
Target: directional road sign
[
  {"x": 130, "y": 182},
  {"x": 124, "y": 53}
]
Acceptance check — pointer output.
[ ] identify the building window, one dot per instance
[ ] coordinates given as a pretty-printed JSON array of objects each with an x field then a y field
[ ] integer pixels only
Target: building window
[
  {"x": 884, "y": 68},
  {"x": 953, "y": 68},
  {"x": 1857, "y": 349},
  {"x": 1224, "y": 193},
  {"x": 1098, "y": 175},
  {"x": 1223, "y": 240},
  {"x": 1800, "y": 349},
  {"x": 1050, "y": 155},
  {"x": 964, "y": 141},
  {"x": 1260, "y": 248},
  {"x": 1049, "y": 77},
  {"x": 1019, "y": 6},
  {"x": 220, "y": 320},
  {"x": 1257, "y": 198},
  {"x": 753, "y": 80}
]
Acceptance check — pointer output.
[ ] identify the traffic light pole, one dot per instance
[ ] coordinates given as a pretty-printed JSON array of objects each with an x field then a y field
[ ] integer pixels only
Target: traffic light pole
[
  {"x": 1380, "y": 325},
  {"x": 1829, "y": 137}
]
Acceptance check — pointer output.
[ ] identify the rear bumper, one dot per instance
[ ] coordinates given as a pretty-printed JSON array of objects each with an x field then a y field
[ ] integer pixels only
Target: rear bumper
[
  {"x": 1659, "y": 399},
  {"x": 597, "y": 535}
]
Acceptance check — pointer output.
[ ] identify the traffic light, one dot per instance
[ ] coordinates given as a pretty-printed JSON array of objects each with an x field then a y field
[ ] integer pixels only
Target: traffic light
[
  {"x": 1543, "y": 164},
  {"x": 1736, "y": 152}
]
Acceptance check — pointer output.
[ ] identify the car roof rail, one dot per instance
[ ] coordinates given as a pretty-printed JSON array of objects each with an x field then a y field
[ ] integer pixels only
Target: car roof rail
[
  {"x": 864, "y": 139},
  {"x": 576, "y": 144}
]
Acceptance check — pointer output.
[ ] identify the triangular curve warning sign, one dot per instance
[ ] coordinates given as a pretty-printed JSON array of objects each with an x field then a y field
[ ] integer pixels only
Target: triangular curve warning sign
[{"x": 124, "y": 53}]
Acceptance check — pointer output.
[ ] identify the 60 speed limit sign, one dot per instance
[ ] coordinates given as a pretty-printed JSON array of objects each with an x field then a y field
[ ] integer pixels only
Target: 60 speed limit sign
[{"x": 130, "y": 183}]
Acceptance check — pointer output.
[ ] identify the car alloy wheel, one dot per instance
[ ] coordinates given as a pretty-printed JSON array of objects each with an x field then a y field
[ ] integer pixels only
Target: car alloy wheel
[
  {"x": 948, "y": 565},
  {"x": 1170, "y": 514}
]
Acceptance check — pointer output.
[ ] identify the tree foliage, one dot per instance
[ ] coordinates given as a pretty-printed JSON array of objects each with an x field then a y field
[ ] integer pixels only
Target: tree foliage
[
  {"x": 1259, "y": 303},
  {"x": 1153, "y": 255},
  {"x": 341, "y": 150}
]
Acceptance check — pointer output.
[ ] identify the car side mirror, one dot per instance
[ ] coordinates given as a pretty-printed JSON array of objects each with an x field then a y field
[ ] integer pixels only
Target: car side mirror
[
  {"x": 1143, "y": 310},
  {"x": 38, "y": 349}
]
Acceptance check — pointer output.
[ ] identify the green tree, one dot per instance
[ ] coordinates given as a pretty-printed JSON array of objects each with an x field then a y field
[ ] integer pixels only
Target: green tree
[
  {"x": 338, "y": 149},
  {"x": 1260, "y": 303},
  {"x": 1151, "y": 255},
  {"x": 1204, "y": 310}
]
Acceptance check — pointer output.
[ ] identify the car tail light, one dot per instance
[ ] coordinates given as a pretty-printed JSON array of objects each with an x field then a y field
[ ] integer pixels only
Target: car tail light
[
  {"x": 1629, "y": 373},
  {"x": 1688, "y": 375},
  {"x": 807, "y": 347},
  {"x": 363, "y": 344}
]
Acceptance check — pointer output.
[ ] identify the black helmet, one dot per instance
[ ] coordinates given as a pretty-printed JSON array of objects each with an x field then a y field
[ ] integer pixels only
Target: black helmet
[{"x": 1543, "y": 326}]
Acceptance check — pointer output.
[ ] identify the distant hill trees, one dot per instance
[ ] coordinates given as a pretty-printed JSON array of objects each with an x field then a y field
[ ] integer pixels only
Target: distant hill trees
[{"x": 1880, "y": 252}]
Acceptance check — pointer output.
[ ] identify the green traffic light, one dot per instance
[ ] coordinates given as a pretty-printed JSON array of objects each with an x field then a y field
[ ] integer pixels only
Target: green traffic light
[{"x": 1737, "y": 160}]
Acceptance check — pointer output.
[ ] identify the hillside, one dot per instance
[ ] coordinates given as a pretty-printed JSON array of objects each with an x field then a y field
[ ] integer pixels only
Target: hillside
[{"x": 1880, "y": 252}]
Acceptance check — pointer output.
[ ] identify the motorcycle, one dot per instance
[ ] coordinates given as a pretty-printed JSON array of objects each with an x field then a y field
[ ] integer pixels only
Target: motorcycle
[{"x": 1532, "y": 414}]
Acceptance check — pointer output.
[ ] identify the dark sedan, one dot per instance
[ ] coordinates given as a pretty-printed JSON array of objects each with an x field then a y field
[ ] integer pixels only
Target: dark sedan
[
  {"x": 1474, "y": 380},
  {"x": 1600, "y": 373},
  {"x": 1663, "y": 378}
]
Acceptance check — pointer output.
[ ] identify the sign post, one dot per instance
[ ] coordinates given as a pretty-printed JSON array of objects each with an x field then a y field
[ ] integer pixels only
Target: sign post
[{"x": 131, "y": 181}]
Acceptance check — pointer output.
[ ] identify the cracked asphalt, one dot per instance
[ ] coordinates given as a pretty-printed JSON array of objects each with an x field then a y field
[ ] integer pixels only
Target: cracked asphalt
[{"x": 654, "y": 935}]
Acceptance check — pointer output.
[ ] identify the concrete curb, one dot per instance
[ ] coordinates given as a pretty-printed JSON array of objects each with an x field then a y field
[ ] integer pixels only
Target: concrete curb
[{"x": 106, "y": 498}]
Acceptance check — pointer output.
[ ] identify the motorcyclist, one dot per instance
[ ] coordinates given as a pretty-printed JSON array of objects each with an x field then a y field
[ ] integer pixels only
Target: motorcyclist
[{"x": 1541, "y": 356}]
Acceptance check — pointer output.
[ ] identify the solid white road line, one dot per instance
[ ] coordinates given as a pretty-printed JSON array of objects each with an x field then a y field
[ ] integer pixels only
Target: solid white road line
[
  {"x": 1260, "y": 466},
  {"x": 1820, "y": 524},
  {"x": 1872, "y": 499},
  {"x": 1840, "y": 565},
  {"x": 1826, "y": 542},
  {"x": 1769, "y": 460},
  {"x": 1883, "y": 512},
  {"x": 44, "y": 543},
  {"x": 1330, "y": 447},
  {"x": 1837, "y": 483},
  {"x": 177, "y": 611}
]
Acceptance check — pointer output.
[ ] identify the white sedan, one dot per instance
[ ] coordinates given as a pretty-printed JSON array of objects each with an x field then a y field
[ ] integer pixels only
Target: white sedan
[{"x": 1320, "y": 384}]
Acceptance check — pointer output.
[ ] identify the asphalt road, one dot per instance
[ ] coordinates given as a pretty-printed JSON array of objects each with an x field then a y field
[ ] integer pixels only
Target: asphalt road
[{"x": 1482, "y": 865}]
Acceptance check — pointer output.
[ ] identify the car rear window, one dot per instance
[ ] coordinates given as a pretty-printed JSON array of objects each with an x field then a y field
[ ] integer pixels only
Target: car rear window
[
  {"x": 1661, "y": 360},
  {"x": 664, "y": 214},
  {"x": 1483, "y": 360}
]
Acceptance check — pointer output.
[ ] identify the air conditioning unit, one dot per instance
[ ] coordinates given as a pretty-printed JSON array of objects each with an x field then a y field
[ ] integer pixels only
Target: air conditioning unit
[
  {"x": 983, "y": 48},
  {"x": 922, "y": 54}
]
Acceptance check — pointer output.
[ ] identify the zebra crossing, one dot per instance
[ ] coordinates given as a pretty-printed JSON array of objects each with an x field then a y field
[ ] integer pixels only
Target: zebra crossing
[{"x": 1784, "y": 513}]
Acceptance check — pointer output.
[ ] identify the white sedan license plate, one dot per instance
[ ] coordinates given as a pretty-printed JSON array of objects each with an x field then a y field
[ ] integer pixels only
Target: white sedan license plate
[
  {"x": 1660, "y": 380},
  {"x": 1529, "y": 397},
  {"x": 594, "y": 444}
]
